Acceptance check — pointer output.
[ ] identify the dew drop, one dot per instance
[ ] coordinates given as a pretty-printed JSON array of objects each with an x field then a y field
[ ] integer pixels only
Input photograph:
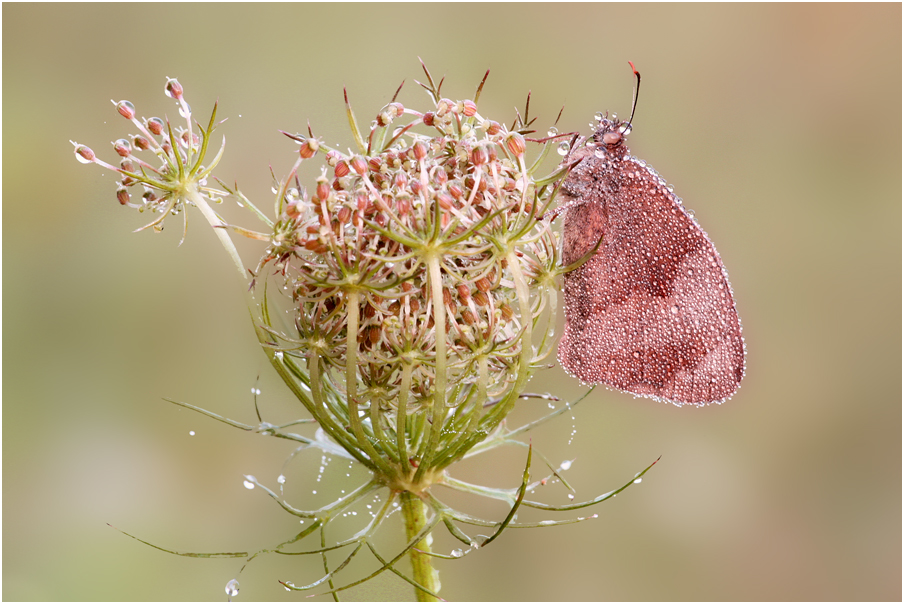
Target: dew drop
[
  {"x": 563, "y": 147},
  {"x": 232, "y": 588},
  {"x": 546, "y": 522},
  {"x": 565, "y": 465},
  {"x": 191, "y": 432},
  {"x": 638, "y": 480},
  {"x": 552, "y": 131},
  {"x": 248, "y": 482},
  {"x": 281, "y": 479},
  {"x": 456, "y": 553}
]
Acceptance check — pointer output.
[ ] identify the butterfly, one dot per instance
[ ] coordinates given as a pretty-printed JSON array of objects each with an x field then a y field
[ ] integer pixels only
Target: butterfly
[{"x": 649, "y": 309}]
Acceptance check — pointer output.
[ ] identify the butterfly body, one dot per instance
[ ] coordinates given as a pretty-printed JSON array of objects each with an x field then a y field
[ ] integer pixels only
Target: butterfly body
[{"x": 651, "y": 312}]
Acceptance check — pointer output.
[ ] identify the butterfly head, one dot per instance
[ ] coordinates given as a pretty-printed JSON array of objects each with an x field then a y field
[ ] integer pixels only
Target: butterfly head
[{"x": 611, "y": 133}]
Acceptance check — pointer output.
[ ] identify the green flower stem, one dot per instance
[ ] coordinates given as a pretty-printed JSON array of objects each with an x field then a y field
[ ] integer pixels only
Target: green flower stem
[
  {"x": 413, "y": 511},
  {"x": 218, "y": 228}
]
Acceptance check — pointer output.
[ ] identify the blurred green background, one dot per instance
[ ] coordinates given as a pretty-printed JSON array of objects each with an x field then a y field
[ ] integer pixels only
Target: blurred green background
[{"x": 780, "y": 125}]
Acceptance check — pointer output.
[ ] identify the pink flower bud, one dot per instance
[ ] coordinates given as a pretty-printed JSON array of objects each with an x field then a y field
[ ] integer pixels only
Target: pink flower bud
[
  {"x": 359, "y": 165},
  {"x": 156, "y": 126},
  {"x": 309, "y": 148},
  {"x": 126, "y": 109},
  {"x": 84, "y": 154},
  {"x": 341, "y": 169},
  {"x": 122, "y": 194},
  {"x": 173, "y": 89},
  {"x": 514, "y": 142},
  {"x": 122, "y": 147},
  {"x": 420, "y": 150},
  {"x": 469, "y": 108},
  {"x": 479, "y": 155}
]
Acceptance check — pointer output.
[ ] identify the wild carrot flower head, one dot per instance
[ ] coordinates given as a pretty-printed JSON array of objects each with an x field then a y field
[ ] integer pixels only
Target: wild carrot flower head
[{"x": 421, "y": 281}]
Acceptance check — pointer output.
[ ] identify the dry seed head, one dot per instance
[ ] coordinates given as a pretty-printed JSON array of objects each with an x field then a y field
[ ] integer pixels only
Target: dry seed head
[{"x": 424, "y": 232}]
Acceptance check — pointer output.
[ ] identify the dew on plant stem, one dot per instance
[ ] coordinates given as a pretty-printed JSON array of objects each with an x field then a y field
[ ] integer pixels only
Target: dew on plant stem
[
  {"x": 565, "y": 465},
  {"x": 546, "y": 522},
  {"x": 248, "y": 482},
  {"x": 638, "y": 480},
  {"x": 456, "y": 553},
  {"x": 232, "y": 588},
  {"x": 281, "y": 479}
]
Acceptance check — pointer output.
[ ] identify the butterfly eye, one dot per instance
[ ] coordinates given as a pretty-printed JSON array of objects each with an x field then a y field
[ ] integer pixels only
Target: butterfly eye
[{"x": 612, "y": 138}]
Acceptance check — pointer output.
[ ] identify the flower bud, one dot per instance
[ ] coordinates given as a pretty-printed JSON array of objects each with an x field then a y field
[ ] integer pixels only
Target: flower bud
[
  {"x": 84, "y": 154},
  {"x": 323, "y": 188},
  {"x": 429, "y": 118},
  {"x": 420, "y": 150},
  {"x": 443, "y": 107},
  {"x": 309, "y": 148},
  {"x": 122, "y": 194},
  {"x": 122, "y": 147},
  {"x": 141, "y": 142},
  {"x": 479, "y": 155},
  {"x": 126, "y": 109},
  {"x": 173, "y": 89},
  {"x": 359, "y": 165},
  {"x": 464, "y": 292},
  {"x": 155, "y": 125},
  {"x": 492, "y": 127},
  {"x": 515, "y": 144},
  {"x": 481, "y": 299},
  {"x": 341, "y": 169},
  {"x": 469, "y": 108}
]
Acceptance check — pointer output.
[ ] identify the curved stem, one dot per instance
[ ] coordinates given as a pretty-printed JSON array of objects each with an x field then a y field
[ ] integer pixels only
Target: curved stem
[
  {"x": 218, "y": 228},
  {"x": 414, "y": 514}
]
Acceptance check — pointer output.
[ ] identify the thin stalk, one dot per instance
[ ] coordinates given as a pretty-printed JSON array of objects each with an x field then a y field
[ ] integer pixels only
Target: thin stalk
[
  {"x": 414, "y": 513},
  {"x": 218, "y": 228}
]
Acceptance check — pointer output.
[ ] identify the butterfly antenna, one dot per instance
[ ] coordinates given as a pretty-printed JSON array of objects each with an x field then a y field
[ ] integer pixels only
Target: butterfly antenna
[{"x": 636, "y": 91}]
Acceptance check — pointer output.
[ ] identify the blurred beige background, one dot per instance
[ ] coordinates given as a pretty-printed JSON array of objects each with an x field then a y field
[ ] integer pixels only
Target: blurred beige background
[{"x": 780, "y": 125}]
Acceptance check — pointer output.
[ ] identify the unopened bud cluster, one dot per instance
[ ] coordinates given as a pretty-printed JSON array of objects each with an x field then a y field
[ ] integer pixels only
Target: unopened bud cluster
[{"x": 171, "y": 172}]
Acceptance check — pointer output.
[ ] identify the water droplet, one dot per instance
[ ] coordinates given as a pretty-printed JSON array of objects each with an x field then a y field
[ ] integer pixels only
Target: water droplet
[
  {"x": 248, "y": 482},
  {"x": 546, "y": 522},
  {"x": 552, "y": 131},
  {"x": 281, "y": 479},
  {"x": 232, "y": 588},
  {"x": 565, "y": 465},
  {"x": 638, "y": 480},
  {"x": 571, "y": 497},
  {"x": 456, "y": 553},
  {"x": 191, "y": 432},
  {"x": 563, "y": 148}
]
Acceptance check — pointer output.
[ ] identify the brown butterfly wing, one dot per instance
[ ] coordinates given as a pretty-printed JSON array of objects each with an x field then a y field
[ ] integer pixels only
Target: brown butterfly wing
[{"x": 651, "y": 312}]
